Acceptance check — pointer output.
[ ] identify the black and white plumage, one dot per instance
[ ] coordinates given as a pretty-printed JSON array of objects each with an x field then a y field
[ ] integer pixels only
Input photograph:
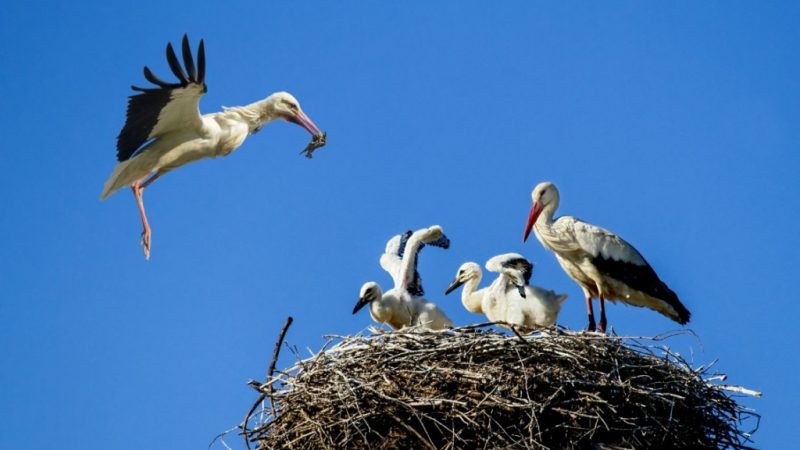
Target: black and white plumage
[
  {"x": 164, "y": 129},
  {"x": 183, "y": 99},
  {"x": 514, "y": 267},
  {"x": 397, "y": 247},
  {"x": 404, "y": 304},
  {"x": 510, "y": 297},
  {"x": 602, "y": 263}
]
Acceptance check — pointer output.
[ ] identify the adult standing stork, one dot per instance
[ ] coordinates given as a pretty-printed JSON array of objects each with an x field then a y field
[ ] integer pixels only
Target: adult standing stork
[
  {"x": 510, "y": 297},
  {"x": 602, "y": 263},
  {"x": 404, "y": 305},
  {"x": 165, "y": 130}
]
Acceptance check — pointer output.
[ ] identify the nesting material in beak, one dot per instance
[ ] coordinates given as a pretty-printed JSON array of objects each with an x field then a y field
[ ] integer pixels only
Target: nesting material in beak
[{"x": 317, "y": 141}]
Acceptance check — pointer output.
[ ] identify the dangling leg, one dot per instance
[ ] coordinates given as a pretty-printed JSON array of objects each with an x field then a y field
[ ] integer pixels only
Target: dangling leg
[
  {"x": 138, "y": 190},
  {"x": 603, "y": 322},
  {"x": 589, "y": 310}
]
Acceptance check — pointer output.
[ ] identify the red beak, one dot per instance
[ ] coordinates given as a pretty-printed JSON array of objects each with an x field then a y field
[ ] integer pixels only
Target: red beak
[
  {"x": 536, "y": 209},
  {"x": 301, "y": 119}
]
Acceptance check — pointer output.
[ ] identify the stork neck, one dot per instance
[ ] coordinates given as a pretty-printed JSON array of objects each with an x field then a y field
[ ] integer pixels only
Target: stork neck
[
  {"x": 470, "y": 298},
  {"x": 545, "y": 220},
  {"x": 544, "y": 225},
  {"x": 255, "y": 115}
]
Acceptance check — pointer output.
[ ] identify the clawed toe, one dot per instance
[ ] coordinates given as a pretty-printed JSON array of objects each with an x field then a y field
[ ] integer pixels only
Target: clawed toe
[{"x": 145, "y": 243}]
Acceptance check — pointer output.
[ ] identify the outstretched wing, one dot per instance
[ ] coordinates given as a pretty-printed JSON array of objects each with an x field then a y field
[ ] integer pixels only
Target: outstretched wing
[
  {"x": 167, "y": 107},
  {"x": 410, "y": 247},
  {"x": 391, "y": 259}
]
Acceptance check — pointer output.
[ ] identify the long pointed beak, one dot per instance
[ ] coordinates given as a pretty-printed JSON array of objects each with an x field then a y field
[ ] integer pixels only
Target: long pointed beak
[
  {"x": 536, "y": 209},
  {"x": 453, "y": 286},
  {"x": 361, "y": 303},
  {"x": 302, "y": 119},
  {"x": 521, "y": 289}
]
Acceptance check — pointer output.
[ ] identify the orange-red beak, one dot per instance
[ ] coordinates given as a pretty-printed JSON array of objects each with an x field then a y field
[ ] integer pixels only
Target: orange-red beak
[
  {"x": 536, "y": 209},
  {"x": 302, "y": 119}
]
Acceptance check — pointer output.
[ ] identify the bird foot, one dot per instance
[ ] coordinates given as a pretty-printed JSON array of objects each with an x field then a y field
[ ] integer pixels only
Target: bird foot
[
  {"x": 602, "y": 326},
  {"x": 145, "y": 243}
]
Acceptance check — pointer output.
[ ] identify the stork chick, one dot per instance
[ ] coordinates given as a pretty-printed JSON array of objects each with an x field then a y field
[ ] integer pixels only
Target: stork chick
[
  {"x": 510, "y": 298},
  {"x": 404, "y": 305}
]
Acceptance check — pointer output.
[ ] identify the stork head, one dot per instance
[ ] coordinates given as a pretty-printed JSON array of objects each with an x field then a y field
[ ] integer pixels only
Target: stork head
[
  {"x": 544, "y": 195},
  {"x": 467, "y": 271},
  {"x": 285, "y": 106},
  {"x": 370, "y": 292}
]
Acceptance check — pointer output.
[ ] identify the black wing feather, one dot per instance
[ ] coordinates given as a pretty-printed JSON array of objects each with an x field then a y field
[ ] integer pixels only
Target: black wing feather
[
  {"x": 187, "y": 59},
  {"x": 201, "y": 63},
  {"x": 143, "y": 111},
  {"x": 151, "y": 77},
  {"x": 415, "y": 285},
  {"x": 642, "y": 278},
  {"x": 401, "y": 249},
  {"x": 522, "y": 265},
  {"x": 175, "y": 65},
  {"x": 144, "y": 108}
]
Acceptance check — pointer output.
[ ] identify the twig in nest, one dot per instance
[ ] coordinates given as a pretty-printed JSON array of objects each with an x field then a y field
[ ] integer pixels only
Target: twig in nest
[
  {"x": 263, "y": 395},
  {"x": 275, "y": 354}
]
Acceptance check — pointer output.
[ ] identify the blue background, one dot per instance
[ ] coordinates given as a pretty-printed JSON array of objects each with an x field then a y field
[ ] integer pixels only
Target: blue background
[{"x": 673, "y": 124}]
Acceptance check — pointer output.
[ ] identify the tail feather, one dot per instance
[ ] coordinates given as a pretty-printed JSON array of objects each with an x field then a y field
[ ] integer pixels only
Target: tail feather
[
  {"x": 672, "y": 305},
  {"x": 112, "y": 184},
  {"x": 125, "y": 173}
]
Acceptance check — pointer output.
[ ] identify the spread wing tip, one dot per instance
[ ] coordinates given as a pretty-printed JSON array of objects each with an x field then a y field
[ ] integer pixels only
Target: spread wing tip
[{"x": 192, "y": 74}]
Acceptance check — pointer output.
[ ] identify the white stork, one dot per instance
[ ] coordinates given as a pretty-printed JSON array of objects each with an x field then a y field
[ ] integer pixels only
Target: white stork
[
  {"x": 602, "y": 263},
  {"x": 510, "y": 298},
  {"x": 404, "y": 305},
  {"x": 165, "y": 130}
]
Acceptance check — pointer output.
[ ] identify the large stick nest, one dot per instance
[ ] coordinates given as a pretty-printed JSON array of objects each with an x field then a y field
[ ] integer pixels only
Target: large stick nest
[{"x": 467, "y": 389}]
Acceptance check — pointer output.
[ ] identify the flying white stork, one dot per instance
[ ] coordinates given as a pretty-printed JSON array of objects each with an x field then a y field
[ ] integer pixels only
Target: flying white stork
[
  {"x": 165, "y": 130},
  {"x": 510, "y": 298},
  {"x": 602, "y": 263},
  {"x": 404, "y": 305}
]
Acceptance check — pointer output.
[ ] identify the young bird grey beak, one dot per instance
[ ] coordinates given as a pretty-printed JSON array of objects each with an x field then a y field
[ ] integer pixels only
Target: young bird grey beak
[
  {"x": 453, "y": 286},
  {"x": 363, "y": 301}
]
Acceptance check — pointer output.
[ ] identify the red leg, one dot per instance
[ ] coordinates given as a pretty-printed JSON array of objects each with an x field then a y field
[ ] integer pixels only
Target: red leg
[
  {"x": 589, "y": 310},
  {"x": 603, "y": 322},
  {"x": 138, "y": 190},
  {"x": 151, "y": 179}
]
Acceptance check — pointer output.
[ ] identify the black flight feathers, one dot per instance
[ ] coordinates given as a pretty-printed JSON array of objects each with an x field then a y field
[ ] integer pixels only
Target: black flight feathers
[
  {"x": 415, "y": 285},
  {"x": 197, "y": 75},
  {"x": 642, "y": 278},
  {"x": 144, "y": 108},
  {"x": 522, "y": 265}
]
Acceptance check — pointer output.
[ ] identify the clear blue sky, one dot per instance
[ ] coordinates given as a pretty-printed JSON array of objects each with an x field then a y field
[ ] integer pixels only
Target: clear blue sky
[{"x": 674, "y": 124}]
